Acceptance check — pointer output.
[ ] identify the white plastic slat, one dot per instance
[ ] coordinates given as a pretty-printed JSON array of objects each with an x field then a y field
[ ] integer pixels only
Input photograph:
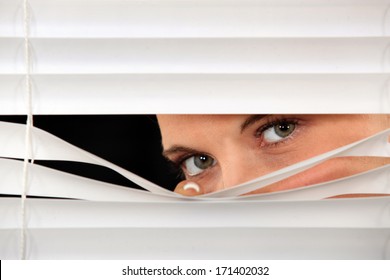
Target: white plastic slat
[
  {"x": 110, "y": 19},
  {"x": 337, "y": 229},
  {"x": 198, "y": 93},
  {"x": 224, "y": 55}
]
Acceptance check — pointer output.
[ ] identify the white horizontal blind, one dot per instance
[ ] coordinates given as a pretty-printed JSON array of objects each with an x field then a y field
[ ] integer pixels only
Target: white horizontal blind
[
  {"x": 192, "y": 56},
  {"x": 329, "y": 229},
  {"x": 168, "y": 56}
]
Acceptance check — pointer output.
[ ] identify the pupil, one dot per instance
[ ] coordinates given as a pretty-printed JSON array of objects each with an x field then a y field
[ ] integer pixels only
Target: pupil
[
  {"x": 203, "y": 162},
  {"x": 284, "y": 129}
]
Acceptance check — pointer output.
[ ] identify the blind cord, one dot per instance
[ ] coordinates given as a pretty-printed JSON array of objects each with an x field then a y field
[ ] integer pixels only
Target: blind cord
[
  {"x": 386, "y": 249},
  {"x": 29, "y": 124}
]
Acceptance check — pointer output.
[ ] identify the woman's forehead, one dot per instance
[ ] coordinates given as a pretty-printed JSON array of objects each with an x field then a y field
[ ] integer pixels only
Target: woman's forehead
[
  {"x": 187, "y": 127},
  {"x": 167, "y": 121}
]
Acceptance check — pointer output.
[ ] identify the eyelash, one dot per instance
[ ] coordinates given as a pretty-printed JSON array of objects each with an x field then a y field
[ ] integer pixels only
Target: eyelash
[
  {"x": 182, "y": 158},
  {"x": 177, "y": 165},
  {"x": 272, "y": 122}
]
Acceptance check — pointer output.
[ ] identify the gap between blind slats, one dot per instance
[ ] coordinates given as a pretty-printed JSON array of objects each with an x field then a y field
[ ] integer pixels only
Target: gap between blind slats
[{"x": 47, "y": 182}]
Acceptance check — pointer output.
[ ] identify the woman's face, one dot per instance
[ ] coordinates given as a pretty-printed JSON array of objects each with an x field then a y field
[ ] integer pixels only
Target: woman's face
[{"x": 220, "y": 151}]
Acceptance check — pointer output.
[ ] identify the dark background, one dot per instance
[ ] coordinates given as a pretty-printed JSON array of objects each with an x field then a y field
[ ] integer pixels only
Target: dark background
[{"x": 130, "y": 141}]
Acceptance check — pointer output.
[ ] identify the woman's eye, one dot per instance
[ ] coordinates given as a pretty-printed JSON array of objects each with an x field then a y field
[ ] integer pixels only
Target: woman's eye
[
  {"x": 196, "y": 164},
  {"x": 278, "y": 131}
]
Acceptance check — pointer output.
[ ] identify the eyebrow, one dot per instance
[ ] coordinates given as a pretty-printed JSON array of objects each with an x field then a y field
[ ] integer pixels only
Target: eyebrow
[
  {"x": 178, "y": 149},
  {"x": 182, "y": 149},
  {"x": 251, "y": 120}
]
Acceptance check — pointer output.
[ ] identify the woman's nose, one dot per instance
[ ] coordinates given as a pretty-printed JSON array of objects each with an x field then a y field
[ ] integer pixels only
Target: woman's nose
[
  {"x": 239, "y": 169},
  {"x": 189, "y": 188}
]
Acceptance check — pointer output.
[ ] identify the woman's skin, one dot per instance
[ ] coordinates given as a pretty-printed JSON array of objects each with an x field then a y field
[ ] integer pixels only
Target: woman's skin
[{"x": 221, "y": 151}]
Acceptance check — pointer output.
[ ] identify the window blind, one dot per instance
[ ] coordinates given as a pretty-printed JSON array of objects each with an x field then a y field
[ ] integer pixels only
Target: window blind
[
  {"x": 205, "y": 56},
  {"x": 150, "y": 54}
]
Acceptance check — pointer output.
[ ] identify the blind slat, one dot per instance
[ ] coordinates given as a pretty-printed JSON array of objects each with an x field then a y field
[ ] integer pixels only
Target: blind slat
[
  {"x": 335, "y": 213},
  {"x": 198, "y": 93},
  {"x": 350, "y": 229},
  {"x": 198, "y": 18},
  {"x": 266, "y": 55},
  {"x": 218, "y": 243}
]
